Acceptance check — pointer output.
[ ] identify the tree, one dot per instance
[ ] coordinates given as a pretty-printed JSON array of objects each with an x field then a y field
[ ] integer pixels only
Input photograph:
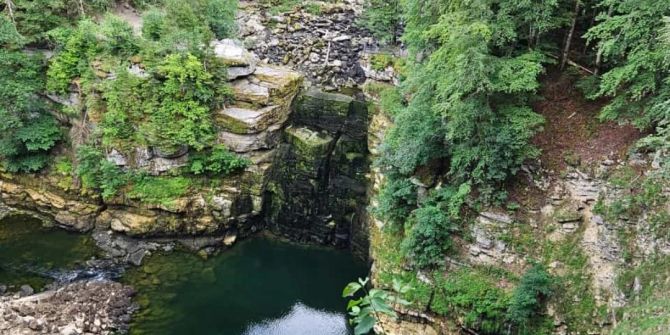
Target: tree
[
  {"x": 636, "y": 66},
  {"x": 530, "y": 295},
  {"x": 383, "y": 19},
  {"x": 27, "y": 130}
]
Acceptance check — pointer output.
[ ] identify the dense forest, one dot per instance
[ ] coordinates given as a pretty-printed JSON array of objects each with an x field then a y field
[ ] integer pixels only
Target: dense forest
[
  {"x": 463, "y": 112},
  {"x": 469, "y": 75}
]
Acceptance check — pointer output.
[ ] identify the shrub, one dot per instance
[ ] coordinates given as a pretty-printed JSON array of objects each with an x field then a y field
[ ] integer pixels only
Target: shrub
[
  {"x": 471, "y": 296},
  {"x": 96, "y": 172},
  {"x": 159, "y": 190},
  {"x": 221, "y": 17},
  {"x": 428, "y": 238},
  {"x": 179, "y": 111},
  {"x": 153, "y": 23},
  {"x": 27, "y": 130},
  {"x": 530, "y": 295},
  {"x": 396, "y": 200},
  {"x": 217, "y": 161}
]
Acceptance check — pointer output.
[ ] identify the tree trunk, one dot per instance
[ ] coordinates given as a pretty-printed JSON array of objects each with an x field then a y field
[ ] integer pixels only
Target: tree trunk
[
  {"x": 568, "y": 40},
  {"x": 81, "y": 8},
  {"x": 10, "y": 10}
]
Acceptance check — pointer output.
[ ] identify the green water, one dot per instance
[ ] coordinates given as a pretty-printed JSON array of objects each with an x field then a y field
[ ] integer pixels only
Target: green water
[
  {"x": 30, "y": 253},
  {"x": 259, "y": 287}
]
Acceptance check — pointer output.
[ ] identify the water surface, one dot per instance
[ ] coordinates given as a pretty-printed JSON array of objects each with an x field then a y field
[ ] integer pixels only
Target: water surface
[
  {"x": 259, "y": 287},
  {"x": 33, "y": 254}
]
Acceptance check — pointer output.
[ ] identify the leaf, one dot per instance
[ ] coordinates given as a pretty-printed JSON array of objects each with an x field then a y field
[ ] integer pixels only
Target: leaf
[
  {"x": 365, "y": 325},
  {"x": 354, "y": 303},
  {"x": 351, "y": 289}
]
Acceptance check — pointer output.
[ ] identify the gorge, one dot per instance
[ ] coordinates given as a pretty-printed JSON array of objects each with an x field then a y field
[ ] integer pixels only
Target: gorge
[{"x": 225, "y": 167}]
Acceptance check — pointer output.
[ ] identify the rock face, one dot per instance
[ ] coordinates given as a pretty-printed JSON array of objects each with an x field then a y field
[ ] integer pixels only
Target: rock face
[
  {"x": 39, "y": 195},
  {"x": 251, "y": 127},
  {"x": 318, "y": 190},
  {"x": 308, "y": 153},
  {"x": 90, "y": 307},
  {"x": 323, "y": 41}
]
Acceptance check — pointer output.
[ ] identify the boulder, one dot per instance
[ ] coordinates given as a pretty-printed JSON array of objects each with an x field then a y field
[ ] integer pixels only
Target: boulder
[
  {"x": 116, "y": 158},
  {"x": 235, "y": 72},
  {"x": 323, "y": 110},
  {"x": 280, "y": 80},
  {"x": 254, "y": 94},
  {"x": 309, "y": 143},
  {"x": 233, "y": 53},
  {"x": 266, "y": 139},
  {"x": 249, "y": 121}
]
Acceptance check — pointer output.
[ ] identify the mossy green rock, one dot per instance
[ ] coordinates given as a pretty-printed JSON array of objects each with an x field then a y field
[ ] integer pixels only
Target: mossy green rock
[
  {"x": 323, "y": 110},
  {"x": 307, "y": 143}
]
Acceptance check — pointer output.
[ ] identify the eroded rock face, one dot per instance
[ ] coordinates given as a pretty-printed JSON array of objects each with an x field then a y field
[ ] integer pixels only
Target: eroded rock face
[
  {"x": 87, "y": 307},
  {"x": 251, "y": 127},
  {"x": 317, "y": 191},
  {"x": 37, "y": 195},
  {"x": 324, "y": 45}
]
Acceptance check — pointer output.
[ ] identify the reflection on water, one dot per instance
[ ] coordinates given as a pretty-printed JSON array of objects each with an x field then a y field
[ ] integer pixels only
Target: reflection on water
[
  {"x": 259, "y": 287},
  {"x": 302, "y": 320}
]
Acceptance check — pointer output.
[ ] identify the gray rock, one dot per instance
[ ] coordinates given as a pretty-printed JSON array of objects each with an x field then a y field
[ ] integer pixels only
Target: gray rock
[
  {"x": 117, "y": 158},
  {"x": 233, "y": 53},
  {"x": 136, "y": 257},
  {"x": 137, "y": 71},
  {"x": 235, "y": 72},
  {"x": 250, "y": 142},
  {"x": 160, "y": 165},
  {"x": 143, "y": 156},
  {"x": 26, "y": 290},
  {"x": 248, "y": 121}
]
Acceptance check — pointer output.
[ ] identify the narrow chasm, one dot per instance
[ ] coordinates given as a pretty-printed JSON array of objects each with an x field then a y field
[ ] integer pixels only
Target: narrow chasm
[{"x": 317, "y": 190}]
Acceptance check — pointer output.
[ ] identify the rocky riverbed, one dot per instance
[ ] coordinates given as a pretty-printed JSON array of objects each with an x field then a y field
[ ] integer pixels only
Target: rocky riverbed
[{"x": 84, "y": 307}]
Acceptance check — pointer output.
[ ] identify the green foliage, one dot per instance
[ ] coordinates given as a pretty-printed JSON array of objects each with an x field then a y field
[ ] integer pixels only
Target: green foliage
[
  {"x": 187, "y": 25},
  {"x": 217, "y": 161},
  {"x": 382, "y": 18},
  {"x": 428, "y": 238},
  {"x": 396, "y": 201},
  {"x": 27, "y": 130},
  {"x": 79, "y": 47},
  {"x": 430, "y": 226},
  {"x": 473, "y": 297},
  {"x": 529, "y": 296},
  {"x": 96, "y": 172},
  {"x": 125, "y": 98},
  {"x": 366, "y": 310},
  {"x": 153, "y": 22},
  {"x": 221, "y": 17},
  {"x": 159, "y": 190},
  {"x": 34, "y": 18},
  {"x": 638, "y": 67},
  {"x": 473, "y": 71},
  {"x": 179, "y": 110},
  {"x": 649, "y": 309}
]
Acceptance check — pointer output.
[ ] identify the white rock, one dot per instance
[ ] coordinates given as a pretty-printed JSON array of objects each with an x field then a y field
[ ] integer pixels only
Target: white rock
[{"x": 233, "y": 53}]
